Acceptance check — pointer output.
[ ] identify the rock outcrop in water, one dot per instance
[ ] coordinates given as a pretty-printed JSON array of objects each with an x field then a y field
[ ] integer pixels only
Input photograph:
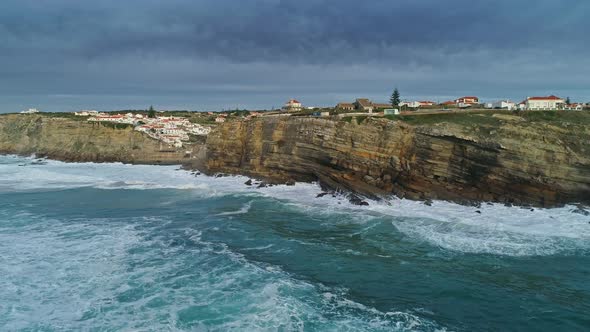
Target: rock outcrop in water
[
  {"x": 503, "y": 158},
  {"x": 77, "y": 140}
]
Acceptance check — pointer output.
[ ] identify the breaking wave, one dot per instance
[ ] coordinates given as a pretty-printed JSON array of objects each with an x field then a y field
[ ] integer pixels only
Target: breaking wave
[
  {"x": 62, "y": 274},
  {"x": 490, "y": 228},
  {"x": 121, "y": 247}
]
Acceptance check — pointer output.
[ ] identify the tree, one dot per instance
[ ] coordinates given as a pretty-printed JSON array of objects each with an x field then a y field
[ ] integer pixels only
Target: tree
[
  {"x": 568, "y": 101},
  {"x": 395, "y": 98},
  {"x": 151, "y": 112}
]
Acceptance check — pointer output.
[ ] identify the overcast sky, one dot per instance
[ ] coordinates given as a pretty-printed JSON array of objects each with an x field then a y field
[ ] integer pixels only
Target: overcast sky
[{"x": 63, "y": 55}]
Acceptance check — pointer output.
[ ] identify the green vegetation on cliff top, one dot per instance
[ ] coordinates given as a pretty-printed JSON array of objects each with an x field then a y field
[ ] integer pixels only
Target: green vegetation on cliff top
[
  {"x": 482, "y": 118},
  {"x": 493, "y": 118}
]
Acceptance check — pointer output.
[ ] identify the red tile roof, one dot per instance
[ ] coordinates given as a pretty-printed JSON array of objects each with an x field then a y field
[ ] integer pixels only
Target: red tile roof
[
  {"x": 552, "y": 97},
  {"x": 467, "y": 100}
]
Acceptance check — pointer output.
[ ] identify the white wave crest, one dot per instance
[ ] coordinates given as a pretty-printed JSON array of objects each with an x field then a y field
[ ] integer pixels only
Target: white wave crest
[
  {"x": 489, "y": 229},
  {"x": 243, "y": 210}
]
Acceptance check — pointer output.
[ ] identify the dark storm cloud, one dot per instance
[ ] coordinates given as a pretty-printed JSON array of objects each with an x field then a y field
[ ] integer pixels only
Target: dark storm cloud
[
  {"x": 51, "y": 45},
  {"x": 303, "y": 31}
]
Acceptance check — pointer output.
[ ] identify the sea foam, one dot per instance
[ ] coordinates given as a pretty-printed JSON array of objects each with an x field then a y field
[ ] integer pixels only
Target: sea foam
[{"x": 490, "y": 228}]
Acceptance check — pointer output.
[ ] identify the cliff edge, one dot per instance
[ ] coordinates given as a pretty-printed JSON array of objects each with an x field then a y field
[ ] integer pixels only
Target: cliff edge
[
  {"x": 528, "y": 159},
  {"x": 533, "y": 158}
]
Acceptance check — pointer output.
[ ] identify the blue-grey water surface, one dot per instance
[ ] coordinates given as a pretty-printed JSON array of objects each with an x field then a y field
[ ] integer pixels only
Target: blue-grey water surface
[{"x": 113, "y": 247}]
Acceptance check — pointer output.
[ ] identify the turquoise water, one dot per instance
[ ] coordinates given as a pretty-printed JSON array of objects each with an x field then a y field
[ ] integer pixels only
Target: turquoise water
[{"x": 111, "y": 247}]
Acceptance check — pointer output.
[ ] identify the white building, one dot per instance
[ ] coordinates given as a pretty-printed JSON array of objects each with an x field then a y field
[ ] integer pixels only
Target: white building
[
  {"x": 504, "y": 104},
  {"x": 86, "y": 113},
  {"x": 544, "y": 103},
  {"x": 292, "y": 105},
  {"x": 117, "y": 118},
  {"x": 416, "y": 104},
  {"x": 30, "y": 111}
]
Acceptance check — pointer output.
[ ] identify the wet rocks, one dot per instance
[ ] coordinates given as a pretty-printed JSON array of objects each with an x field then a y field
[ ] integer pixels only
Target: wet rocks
[
  {"x": 580, "y": 209},
  {"x": 248, "y": 183},
  {"x": 355, "y": 200}
]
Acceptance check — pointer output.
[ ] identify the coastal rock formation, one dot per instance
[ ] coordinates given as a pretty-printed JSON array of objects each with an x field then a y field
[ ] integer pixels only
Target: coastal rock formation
[
  {"x": 513, "y": 159},
  {"x": 74, "y": 139},
  {"x": 500, "y": 158}
]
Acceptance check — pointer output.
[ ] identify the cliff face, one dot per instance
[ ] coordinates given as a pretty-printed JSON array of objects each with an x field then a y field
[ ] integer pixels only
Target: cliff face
[
  {"x": 78, "y": 140},
  {"x": 502, "y": 159}
]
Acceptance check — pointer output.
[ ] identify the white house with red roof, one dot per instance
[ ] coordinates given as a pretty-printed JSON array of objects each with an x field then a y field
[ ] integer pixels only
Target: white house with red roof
[
  {"x": 467, "y": 101},
  {"x": 544, "y": 103},
  {"x": 292, "y": 105}
]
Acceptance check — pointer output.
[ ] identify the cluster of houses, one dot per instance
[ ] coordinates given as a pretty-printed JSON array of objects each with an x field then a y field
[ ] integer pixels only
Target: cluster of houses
[
  {"x": 530, "y": 103},
  {"x": 537, "y": 104},
  {"x": 171, "y": 130}
]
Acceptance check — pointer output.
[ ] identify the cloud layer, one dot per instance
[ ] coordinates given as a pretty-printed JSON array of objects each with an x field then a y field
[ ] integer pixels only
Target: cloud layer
[{"x": 255, "y": 53}]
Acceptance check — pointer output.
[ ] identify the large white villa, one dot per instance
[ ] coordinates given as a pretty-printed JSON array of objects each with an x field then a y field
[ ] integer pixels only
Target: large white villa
[{"x": 544, "y": 103}]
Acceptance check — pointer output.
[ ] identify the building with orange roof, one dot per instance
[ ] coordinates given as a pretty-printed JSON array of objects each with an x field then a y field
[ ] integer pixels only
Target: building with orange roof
[{"x": 544, "y": 103}]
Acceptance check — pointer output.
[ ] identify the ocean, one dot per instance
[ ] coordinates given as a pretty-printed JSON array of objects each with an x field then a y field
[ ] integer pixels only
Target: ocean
[{"x": 114, "y": 247}]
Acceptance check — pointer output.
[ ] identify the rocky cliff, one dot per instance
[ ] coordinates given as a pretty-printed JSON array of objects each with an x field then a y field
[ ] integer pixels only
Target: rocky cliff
[
  {"x": 74, "y": 139},
  {"x": 500, "y": 158},
  {"x": 536, "y": 159}
]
